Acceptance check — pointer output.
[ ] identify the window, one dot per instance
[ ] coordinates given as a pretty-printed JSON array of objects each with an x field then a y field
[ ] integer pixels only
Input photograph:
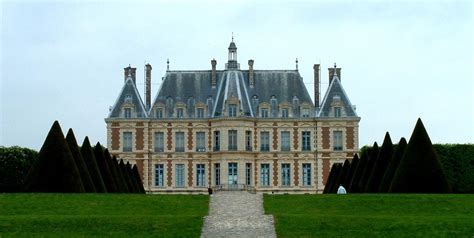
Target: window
[
  {"x": 180, "y": 113},
  {"x": 217, "y": 140},
  {"x": 127, "y": 112},
  {"x": 284, "y": 112},
  {"x": 337, "y": 112},
  {"x": 180, "y": 175},
  {"x": 179, "y": 142},
  {"x": 337, "y": 140},
  {"x": 285, "y": 141},
  {"x": 159, "y": 113},
  {"x": 200, "y": 175},
  {"x": 200, "y": 141},
  {"x": 217, "y": 168},
  {"x": 248, "y": 140},
  {"x": 232, "y": 110},
  {"x": 248, "y": 174},
  {"x": 200, "y": 113},
  {"x": 159, "y": 175},
  {"x": 306, "y": 174},
  {"x": 305, "y": 112},
  {"x": 159, "y": 142},
  {"x": 264, "y": 141},
  {"x": 127, "y": 142},
  {"x": 264, "y": 113},
  {"x": 128, "y": 98},
  {"x": 265, "y": 175},
  {"x": 232, "y": 140},
  {"x": 285, "y": 174},
  {"x": 306, "y": 141}
]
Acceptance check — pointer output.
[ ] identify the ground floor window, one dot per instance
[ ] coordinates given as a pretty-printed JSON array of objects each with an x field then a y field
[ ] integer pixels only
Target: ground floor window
[
  {"x": 285, "y": 174},
  {"x": 180, "y": 175},
  {"x": 306, "y": 174},
  {"x": 200, "y": 173},
  {"x": 159, "y": 175},
  {"x": 265, "y": 174},
  {"x": 217, "y": 168},
  {"x": 248, "y": 173}
]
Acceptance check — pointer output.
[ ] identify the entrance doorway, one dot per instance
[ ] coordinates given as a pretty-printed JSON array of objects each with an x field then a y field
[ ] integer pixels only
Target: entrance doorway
[{"x": 232, "y": 174}]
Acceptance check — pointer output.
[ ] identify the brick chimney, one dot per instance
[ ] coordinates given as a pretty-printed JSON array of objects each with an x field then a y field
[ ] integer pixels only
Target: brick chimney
[
  {"x": 132, "y": 72},
  {"x": 316, "y": 85},
  {"x": 251, "y": 80},
  {"x": 213, "y": 73},
  {"x": 331, "y": 74},
  {"x": 148, "y": 86}
]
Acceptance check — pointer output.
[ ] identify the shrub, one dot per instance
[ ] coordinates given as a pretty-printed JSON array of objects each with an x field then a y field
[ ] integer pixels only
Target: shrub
[
  {"x": 337, "y": 173},
  {"x": 350, "y": 174},
  {"x": 81, "y": 165},
  {"x": 373, "y": 153},
  {"x": 138, "y": 178},
  {"x": 15, "y": 162},
  {"x": 93, "y": 168},
  {"x": 383, "y": 159},
  {"x": 458, "y": 163},
  {"x": 121, "y": 176},
  {"x": 392, "y": 166},
  {"x": 354, "y": 185},
  {"x": 330, "y": 179},
  {"x": 345, "y": 171},
  {"x": 104, "y": 169},
  {"x": 128, "y": 177}
]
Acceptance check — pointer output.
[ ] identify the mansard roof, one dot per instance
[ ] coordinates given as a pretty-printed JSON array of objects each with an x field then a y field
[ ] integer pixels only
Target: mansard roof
[
  {"x": 336, "y": 92},
  {"x": 129, "y": 95}
]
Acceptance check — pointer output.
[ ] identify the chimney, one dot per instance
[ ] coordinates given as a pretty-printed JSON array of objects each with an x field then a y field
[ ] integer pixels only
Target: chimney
[
  {"x": 316, "y": 85},
  {"x": 132, "y": 72},
  {"x": 148, "y": 86},
  {"x": 331, "y": 74},
  {"x": 251, "y": 80},
  {"x": 213, "y": 73}
]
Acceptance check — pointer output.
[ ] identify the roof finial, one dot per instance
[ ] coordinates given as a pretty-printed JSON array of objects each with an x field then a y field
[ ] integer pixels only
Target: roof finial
[
  {"x": 167, "y": 64},
  {"x": 232, "y": 36},
  {"x": 335, "y": 69},
  {"x": 296, "y": 63}
]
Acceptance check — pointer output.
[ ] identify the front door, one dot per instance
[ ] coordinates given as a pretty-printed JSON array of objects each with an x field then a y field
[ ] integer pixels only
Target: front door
[{"x": 232, "y": 175}]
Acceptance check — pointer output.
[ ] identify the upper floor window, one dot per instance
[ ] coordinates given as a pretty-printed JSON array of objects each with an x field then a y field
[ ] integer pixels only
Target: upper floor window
[
  {"x": 159, "y": 141},
  {"x": 217, "y": 140},
  {"x": 285, "y": 141},
  {"x": 180, "y": 113},
  {"x": 179, "y": 141},
  {"x": 337, "y": 140},
  {"x": 200, "y": 141},
  {"x": 305, "y": 112},
  {"x": 264, "y": 141},
  {"x": 264, "y": 112},
  {"x": 284, "y": 112},
  {"x": 232, "y": 110},
  {"x": 232, "y": 140},
  {"x": 127, "y": 142},
  {"x": 127, "y": 112},
  {"x": 159, "y": 113},
  {"x": 306, "y": 141},
  {"x": 337, "y": 111},
  {"x": 248, "y": 140},
  {"x": 200, "y": 113}
]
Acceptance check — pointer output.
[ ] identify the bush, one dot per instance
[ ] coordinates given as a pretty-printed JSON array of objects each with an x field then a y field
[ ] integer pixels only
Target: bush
[
  {"x": 458, "y": 163},
  {"x": 93, "y": 168},
  {"x": 420, "y": 170},
  {"x": 337, "y": 173},
  {"x": 81, "y": 165},
  {"x": 354, "y": 185},
  {"x": 15, "y": 162},
  {"x": 392, "y": 166},
  {"x": 345, "y": 171},
  {"x": 104, "y": 169},
  {"x": 121, "y": 176},
  {"x": 373, "y": 153},
  {"x": 348, "y": 178},
  {"x": 383, "y": 159},
  {"x": 138, "y": 178},
  {"x": 330, "y": 179}
]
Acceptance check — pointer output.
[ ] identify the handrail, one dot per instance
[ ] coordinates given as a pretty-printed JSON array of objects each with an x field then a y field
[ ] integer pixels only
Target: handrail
[{"x": 234, "y": 187}]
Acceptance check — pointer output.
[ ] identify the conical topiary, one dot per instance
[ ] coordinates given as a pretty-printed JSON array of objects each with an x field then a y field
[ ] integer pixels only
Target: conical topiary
[
  {"x": 419, "y": 170},
  {"x": 334, "y": 184},
  {"x": 115, "y": 173},
  {"x": 354, "y": 185},
  {"x": 373, "y": 153},
  {"x": 89, "y": 159},
  {"x": 383, "y": 159},
  {"x": 121, "y": 176},
  {"x": 392, "y": 166},
  {"x": 138, "y": 178},
  {"x": 81, "y": 165},
  {"x": 129, "y": 179},
  {"x": 345, "y": 170},
  {"x": 104, "y": 169},
  {"x": 55, "y": 170},
  {"x": 330, "y": 179},
  {"x": 350, "y": 174}
]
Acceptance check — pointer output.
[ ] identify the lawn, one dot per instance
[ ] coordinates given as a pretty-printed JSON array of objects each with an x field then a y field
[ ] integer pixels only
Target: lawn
[
  {"x": 101, "y": 215},
  {"x": 364, "y": 215}
]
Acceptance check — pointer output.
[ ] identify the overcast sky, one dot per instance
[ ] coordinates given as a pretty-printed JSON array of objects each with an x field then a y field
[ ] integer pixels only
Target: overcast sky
[{"x": 400, "y": 61}]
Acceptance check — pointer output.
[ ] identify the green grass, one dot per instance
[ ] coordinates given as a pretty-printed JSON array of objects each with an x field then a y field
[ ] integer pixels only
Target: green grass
[
  {"x": 101, "y": 215},
  {"x": 364, "y": 215}
]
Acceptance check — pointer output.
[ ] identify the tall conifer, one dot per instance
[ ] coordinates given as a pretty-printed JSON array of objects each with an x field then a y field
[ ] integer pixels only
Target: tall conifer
[
  {"x": 383, "y": 159},
  {"x": 89, "y": 159},
  {"x": 81, "y": 165},
  {"x": 104, "y": 169},
  {"x": 392, "y": 166}
]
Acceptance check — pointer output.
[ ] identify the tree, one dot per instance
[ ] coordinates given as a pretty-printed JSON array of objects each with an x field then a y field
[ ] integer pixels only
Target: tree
[
  {"x": 392, "y": 166},
  {"x": 81, "y": 165},
  {"x": 114, "y": 172},
  {"x": 354, "y": 185},
  {"x": 420, "y": 170},
  {"x": 121, "y": 176},
  {"x": 128, "y": 178},
  {"x": 350, "y": 174},
  {"x": 334, "y": 184},
  {"x": 345, "y": 170},
  {"x": 330, "y": 179},
  {"x": 373, "y": 153},
  {"x": 138, "y": 178},
  {"x": 383, "y": 159},
  {"x": 93, "y": 168},
  {"x": 55, "y": 170},
  {"x": 15, "y": 162},
  {"x": 104, "y": 169}
]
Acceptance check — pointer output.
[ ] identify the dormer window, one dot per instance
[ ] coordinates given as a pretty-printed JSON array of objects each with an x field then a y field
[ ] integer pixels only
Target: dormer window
[
  {"x": 159, "y": 113},
  {"x": 337, "y": 111},
  {"x": 305, "y": 112},
  {"x": 264, "y": 113},
  {"x": 200, "y": 112},
  {"x": 127, "y": 112},
  {"x": 180, "y": 113},
  {"x": 232, "y": 110},
  {"x": 284, "y": 112},
  {"x": 128, "y": 98}
]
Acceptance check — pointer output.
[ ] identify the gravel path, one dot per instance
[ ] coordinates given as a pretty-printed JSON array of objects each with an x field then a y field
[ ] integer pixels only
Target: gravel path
[{"x": 237, "y": 214}]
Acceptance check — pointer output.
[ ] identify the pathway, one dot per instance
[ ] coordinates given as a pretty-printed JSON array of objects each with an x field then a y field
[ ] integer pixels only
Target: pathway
[{"x": 237, "y": 214}]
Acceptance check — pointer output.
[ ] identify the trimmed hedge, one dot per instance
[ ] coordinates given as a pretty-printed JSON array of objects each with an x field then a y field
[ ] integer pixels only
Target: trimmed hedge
[{"x": 15, "y": 162}]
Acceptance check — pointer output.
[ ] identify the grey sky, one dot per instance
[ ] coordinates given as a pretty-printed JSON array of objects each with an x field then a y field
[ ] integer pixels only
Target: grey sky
[{"x": 400, "y": 61}]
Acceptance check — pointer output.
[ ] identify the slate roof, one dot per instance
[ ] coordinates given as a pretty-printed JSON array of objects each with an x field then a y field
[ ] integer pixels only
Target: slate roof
[
  {"x": 129, "y": 94},
  {"x": 336, "y": 92}
]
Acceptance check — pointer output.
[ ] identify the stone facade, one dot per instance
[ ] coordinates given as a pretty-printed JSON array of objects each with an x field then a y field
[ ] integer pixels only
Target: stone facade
[{"x": 186, "y": 149}]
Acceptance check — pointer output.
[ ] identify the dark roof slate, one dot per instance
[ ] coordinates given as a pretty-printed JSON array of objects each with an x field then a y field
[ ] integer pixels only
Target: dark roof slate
[
  {"x": 336, "y": 91},
  {"x": 129, "y": 94}
]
